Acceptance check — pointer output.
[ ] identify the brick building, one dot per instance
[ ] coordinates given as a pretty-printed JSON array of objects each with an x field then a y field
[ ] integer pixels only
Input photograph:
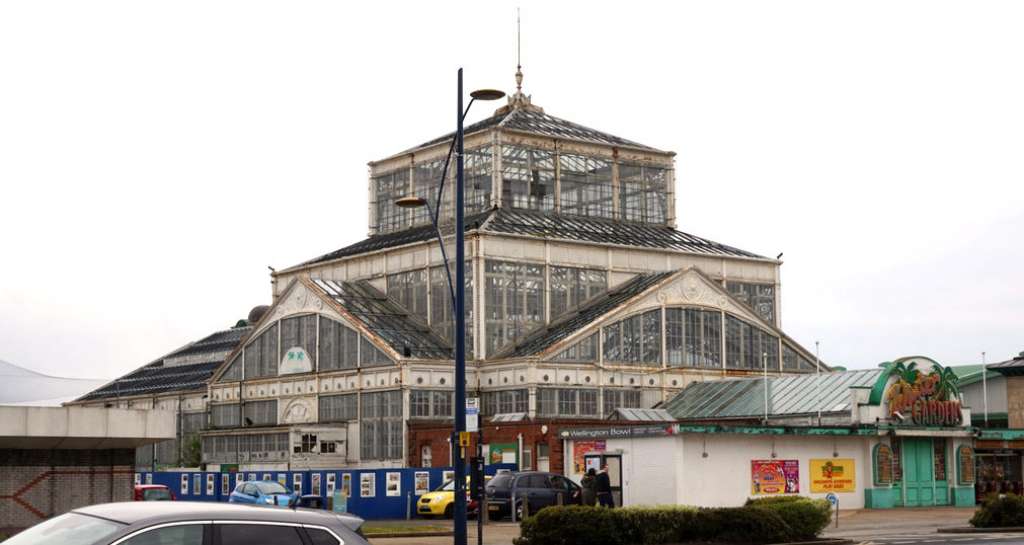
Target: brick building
[{"x": 54, "y": 459}]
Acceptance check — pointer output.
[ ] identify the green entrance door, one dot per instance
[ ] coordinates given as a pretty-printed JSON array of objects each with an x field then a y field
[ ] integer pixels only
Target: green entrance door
[{"x": 924, "y": 472}]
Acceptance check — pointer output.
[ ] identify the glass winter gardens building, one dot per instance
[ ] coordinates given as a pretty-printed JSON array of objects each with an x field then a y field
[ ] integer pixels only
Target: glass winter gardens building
[{"x": 582, "y": 297}]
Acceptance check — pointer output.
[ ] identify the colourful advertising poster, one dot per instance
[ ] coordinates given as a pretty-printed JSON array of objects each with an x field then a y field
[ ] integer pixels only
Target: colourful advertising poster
[
  {"x": 769, "y": 477},
  {"x": 833, "y": 475},
  {"x": 581, "y": 448},
  {"x": 502, "y": 453}
]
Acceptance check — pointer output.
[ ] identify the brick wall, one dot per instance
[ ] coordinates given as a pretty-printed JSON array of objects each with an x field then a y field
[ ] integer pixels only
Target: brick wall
[
  {"x": 37, "y": 484},
  {"x": 1014, "y": 402},
  {"x": 436, "y": 435}
]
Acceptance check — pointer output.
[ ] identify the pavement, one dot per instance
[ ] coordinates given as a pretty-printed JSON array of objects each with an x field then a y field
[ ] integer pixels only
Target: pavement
[
  {"x": 916, "y": 526},
  {"x": 495, "y": 533}
]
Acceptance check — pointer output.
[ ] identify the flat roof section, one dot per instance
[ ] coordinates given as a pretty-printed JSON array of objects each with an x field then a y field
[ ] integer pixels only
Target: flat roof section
[{"x": 75, "y": 427}]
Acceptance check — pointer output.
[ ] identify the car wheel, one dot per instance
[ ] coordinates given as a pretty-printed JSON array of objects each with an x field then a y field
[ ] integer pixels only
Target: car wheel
[{"x": 449, "y": 512}]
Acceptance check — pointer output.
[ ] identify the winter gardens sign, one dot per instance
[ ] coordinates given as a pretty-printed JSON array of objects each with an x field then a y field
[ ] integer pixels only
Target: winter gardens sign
[{"x": 924, "y": 396}]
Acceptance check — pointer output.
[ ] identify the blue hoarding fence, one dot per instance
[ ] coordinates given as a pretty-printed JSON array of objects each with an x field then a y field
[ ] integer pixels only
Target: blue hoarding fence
[{"x": 388, "y": 493}]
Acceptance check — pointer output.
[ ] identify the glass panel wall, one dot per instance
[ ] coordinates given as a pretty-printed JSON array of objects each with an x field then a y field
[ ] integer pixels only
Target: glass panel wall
[
  {"x": 635, "y": 340},
  {"x": 643, "y": 193},
  {"x": 409, "y": 289},
  {"x": 515, "y": 301},
  {"x": 571, "y": 286},
  {"x": 759, "y": 297},
  {"x": 528, "y": 178},
  {"x": 585, "y": 186},
  {"x": 388, "y": 188},
  {"x": 380, "y": 425},
  {"x": 693, "y": 338}
]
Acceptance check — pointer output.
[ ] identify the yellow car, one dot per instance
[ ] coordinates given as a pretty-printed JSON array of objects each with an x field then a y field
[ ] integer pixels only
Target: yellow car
[{"x": 441, "y": 502}]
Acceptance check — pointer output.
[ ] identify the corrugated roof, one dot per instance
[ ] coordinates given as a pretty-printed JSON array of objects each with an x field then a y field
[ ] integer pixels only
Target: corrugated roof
[
  {"x": 788, "y": 395},
  {"x": 641, "y": 415},
  {"x": 1013, "y": 366},
  {"x": 188, "y": 368},
  {"x": 398, "y": 238},
  {"x": 551, "y": 226},
  {"x": 606, "y": 231},
  {"x": 537, "y": 122},
  {"x": 387, "y": 319},
  {"x": 969, "y": 374},
  {"x": 585, "y": 315}
]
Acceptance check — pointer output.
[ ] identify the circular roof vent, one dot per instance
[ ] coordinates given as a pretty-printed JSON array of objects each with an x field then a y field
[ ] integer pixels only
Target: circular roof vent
[{"x": 256, "y": 314}]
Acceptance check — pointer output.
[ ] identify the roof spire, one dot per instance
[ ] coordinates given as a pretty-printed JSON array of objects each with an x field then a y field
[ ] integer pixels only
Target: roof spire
[
  {"x": 519, "y": 56},
  {"x": 518, "y": 100}
]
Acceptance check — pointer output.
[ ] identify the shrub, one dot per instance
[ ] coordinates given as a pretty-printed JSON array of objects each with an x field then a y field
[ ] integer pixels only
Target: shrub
[
  {"x": 805, "y": 517},
  {"x": 999, "y": 511},
  {"x": 741, "y": 525},
  {"x": 578, "y": 525},
  {"x": 572, "y": 525}
]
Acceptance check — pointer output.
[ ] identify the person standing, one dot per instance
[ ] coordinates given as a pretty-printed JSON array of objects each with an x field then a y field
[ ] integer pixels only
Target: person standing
[
  {"x": 589, "y": 485},
  {"x": 603, "y": 486}
]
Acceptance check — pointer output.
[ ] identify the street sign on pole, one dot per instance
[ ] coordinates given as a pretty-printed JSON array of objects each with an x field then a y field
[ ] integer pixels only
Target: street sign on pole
[
  {"x": 834, "y": 500},
  {"x": 473, "y": 414}
]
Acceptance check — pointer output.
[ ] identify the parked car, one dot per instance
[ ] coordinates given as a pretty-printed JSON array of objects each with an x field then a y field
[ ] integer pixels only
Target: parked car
[
  {"x": 441, "y": 501},
  {"x": 153, "y": 492},
  {"x": 263, "y": 493},
  {"x": 535, "y": 489},
  {"x": 192, "y": 523}
]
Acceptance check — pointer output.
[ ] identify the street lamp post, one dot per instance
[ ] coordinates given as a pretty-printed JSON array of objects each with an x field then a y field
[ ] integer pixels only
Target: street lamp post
[{"x": 458, "y": 295}]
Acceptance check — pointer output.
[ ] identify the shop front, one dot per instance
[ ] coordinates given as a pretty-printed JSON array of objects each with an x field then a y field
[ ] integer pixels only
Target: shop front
[{"x": 895, "y": 436}]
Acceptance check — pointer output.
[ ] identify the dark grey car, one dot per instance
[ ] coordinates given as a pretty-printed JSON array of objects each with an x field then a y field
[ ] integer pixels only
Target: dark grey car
[{"x": 192, "y": 523}]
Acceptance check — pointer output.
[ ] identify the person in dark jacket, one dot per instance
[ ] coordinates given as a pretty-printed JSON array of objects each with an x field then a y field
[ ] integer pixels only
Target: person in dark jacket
[
  {"x": 589, "y": 485},
  {"x": 603, "y": 486}
]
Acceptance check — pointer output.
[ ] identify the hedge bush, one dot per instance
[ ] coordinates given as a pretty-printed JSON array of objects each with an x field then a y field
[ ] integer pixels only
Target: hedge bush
[
  {"x": 582, "y": 525},
  {"x": 805, "y": 517},
  {"x": 999, "y": 511}
]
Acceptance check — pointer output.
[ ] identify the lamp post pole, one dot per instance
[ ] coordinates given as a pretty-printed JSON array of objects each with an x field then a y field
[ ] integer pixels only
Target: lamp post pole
[
  {"x": 460, "y": 332},
  {"x": 457, "y": 291}
]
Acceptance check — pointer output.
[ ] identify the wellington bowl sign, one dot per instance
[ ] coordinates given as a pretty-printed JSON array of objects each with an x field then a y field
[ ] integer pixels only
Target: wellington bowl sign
[{"x": 923, "y": 393}]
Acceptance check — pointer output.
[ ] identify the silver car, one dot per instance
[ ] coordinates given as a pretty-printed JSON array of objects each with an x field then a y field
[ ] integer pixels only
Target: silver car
[{"x": 193, "y": 523}]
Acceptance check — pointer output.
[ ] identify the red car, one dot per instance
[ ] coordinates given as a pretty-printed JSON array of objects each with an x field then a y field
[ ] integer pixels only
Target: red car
[{"x": 153, "y": 492}]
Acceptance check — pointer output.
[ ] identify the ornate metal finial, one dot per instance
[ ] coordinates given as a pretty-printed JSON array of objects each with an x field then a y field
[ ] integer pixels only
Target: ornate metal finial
[
  {"x": 519, "y": 55},
  {"x": 518, "y": 100}
]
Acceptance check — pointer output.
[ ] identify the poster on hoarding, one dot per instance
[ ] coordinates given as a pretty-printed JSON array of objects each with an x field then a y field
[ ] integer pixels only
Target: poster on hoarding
[
  {"x": 833, "y": 475},
  {"x": 447, "y": 475},
  {"x": 346, "y": 485},
  {"x": 768, "y": 477},
  {"x": 393, "y": 483},
  {"x": 581, "y": 448},
  {"x": 367, "y": 485},
  {"x": 421, "y": 482}
]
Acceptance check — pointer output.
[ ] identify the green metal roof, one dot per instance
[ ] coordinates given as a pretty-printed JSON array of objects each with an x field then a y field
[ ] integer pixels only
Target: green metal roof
[
  {"x": 788, "y": 395},
  {"x": 969, "y": 374}
]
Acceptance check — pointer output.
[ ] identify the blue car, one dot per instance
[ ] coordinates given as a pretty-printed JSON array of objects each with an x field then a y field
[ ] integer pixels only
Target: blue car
[{"x": 263, "y": 493}]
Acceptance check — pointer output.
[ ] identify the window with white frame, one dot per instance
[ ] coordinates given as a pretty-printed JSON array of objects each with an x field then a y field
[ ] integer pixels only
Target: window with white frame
[
  {"x": 409, "y": 289},
  {"x": 515, "y": 301},
  {"x": 585, "y": 186},
  {"x": 571, "y": 286},
  {"x": 693, "y": 338},
  {"x": 388, "y": 188},
  {"x": 528, "y": 178},
  {"x": 338, "y": 408},
  {"x": 635, "y": 340},
  {"x": 643, "y": 193}
]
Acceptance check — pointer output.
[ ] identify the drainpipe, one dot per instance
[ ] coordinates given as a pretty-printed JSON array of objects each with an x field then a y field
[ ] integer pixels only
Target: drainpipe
[{"x": 519, "y": 454}]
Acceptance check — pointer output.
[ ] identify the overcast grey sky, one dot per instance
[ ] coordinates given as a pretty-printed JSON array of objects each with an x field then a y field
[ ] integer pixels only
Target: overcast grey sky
[{"x": 155, "y": 157}]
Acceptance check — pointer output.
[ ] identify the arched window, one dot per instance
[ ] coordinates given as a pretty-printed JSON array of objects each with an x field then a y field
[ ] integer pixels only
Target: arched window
[
  {"x": 635, "y": 340},
  {"x": 882, "y": 461},
  {"x": 965, "y": 465}
]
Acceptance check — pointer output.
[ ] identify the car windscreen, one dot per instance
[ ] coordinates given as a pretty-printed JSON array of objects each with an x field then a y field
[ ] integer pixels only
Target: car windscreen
[
  {"x": 156, "y": 494},
  {"x": 67, "y": 529},
  {"x": 271, "y": 488},
  {"x": 503, "y": 480}
]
